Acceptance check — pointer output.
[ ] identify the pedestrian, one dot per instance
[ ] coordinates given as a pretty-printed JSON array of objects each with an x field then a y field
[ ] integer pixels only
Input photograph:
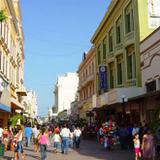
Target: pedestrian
[
  {"x": 1, "y": 134},
  {"x": 28, "y": 134},
  {"x": 148, "y": 146},
  {"x": 6, "y": 138},
  {"x": 158, "y": 141},
  {"x": 123, "y": 134},
  {"x": 65, "y": 134},
  {"x": 137, "y": 146},
  {"x": 71, "y": 139},
  {"x": 77, "y": 135},
  {"x": 56, "y": 141},
  {"x": 43, "y": 140},
  {"x": 18, "y": 144},
  {"x": 135, "y": 130},
  {"x": 36, "y": 133}
]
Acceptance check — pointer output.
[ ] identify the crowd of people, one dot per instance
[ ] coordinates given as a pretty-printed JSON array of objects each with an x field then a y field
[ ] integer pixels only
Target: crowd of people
[
  {"x": 60, "y": 138},
  {"x": 146, "y": 144}
]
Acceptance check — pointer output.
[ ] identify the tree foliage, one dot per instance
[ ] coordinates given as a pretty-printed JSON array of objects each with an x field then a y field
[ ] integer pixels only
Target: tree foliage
[
  {"x": 2, "y": 16},
  {"x": 13, "y": 120}
]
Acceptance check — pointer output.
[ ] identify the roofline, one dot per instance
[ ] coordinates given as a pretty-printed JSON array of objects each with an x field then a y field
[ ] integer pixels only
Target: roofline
[
  {"x": 106, "y": 16},
  {"x": 88, "y": 55},
  {"x": 156, "y": 30}
]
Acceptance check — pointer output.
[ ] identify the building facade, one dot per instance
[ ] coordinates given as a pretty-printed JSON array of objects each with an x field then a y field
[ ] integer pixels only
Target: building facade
[
  {"x": 30, "y": 105},
  {"x": 150, "y": 63},
  {"x": 11, "y": 60},
  {"x": 117, "y": 43},
  {"x": 65, "y": 91},
  {"x": 86, "y": 88}
]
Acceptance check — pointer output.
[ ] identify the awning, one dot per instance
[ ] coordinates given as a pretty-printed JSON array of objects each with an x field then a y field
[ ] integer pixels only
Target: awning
[
  {"x": 22, "y": 92},
  {"x": 5, "y": 108},
  {"x": 15, "y": 104}
]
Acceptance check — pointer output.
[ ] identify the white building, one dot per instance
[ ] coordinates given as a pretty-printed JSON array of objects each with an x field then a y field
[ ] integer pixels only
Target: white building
[
  {"x": 65, "y": 91},
  {"x": 30, "y": 104}
]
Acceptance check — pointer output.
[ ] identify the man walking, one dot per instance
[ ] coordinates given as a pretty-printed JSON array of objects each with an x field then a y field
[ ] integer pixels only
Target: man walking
[
  {"x": 28, "y": 134},
  {"x": 77, "y": 134},
  {"x": 65, "y": 134}
]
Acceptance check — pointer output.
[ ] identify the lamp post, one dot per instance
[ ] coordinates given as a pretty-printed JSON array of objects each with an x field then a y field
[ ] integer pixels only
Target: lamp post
[{"x": 124, "y": 100}]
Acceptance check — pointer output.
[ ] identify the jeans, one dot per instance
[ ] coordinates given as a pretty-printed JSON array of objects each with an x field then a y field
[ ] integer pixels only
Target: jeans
[
  {"x": 28, "y": 140},
  {"x": 57, "y": 145},
  {"x": 77, "y": 141},
  {"x": 20, "y": 146},
  {"x": 43, "y": 148},
  {"x": 65, "y": 144}
]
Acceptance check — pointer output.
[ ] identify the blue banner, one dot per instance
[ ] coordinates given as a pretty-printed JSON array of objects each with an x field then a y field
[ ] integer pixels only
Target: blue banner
[{"x": 102, "y": 78}]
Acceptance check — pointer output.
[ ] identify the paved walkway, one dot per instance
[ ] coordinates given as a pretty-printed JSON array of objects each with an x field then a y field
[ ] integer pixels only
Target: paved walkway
[{"x": 89, "y": 150}]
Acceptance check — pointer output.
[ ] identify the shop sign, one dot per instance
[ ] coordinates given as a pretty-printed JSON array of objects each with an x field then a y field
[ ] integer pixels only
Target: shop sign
[{"x": 102, "y": 78}]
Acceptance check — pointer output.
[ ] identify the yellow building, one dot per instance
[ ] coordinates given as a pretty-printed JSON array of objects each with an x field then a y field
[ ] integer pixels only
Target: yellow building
[
  {"x": 117, "y": 43},
  {"x": 11, "y": 60},
  {"x": 86, "y": 73}
]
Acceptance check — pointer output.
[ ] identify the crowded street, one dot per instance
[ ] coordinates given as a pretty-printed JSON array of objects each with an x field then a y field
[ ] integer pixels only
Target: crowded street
[
  {"x": 80, "y": 80},
  {"x": 89, "y": 150}
]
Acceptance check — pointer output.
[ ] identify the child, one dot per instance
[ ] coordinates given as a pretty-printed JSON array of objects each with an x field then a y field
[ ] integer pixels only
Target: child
[
  {"x": 57, "y": 142},
  {"x": 136, "y": 141}
]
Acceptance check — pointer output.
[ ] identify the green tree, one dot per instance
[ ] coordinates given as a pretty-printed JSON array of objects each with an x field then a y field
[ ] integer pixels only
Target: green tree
[
  {"x": 2, "y": 16},
  {"x": 14, "y": 119}
]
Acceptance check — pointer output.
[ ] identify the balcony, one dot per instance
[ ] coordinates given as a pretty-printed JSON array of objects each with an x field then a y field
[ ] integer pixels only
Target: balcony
[{"x": 83, "y": 83}]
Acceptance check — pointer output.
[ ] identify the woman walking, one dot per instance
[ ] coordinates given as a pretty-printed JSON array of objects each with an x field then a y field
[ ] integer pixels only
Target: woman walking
[
  {"x": 43, "y": 140},
  {"x": 18, "y": 144},
  {"x": 148, "y": 146}
]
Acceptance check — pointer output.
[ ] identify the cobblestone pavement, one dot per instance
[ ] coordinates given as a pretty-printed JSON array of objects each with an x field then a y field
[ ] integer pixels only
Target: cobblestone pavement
[{"x": 89, "y": 150}]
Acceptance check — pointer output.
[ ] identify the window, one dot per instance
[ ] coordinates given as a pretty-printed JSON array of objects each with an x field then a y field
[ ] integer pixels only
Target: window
[
  {"x": 118, "y": 31},
  {"x": 92, "y": 68},
  {"x": 111, "y": 75},
  {"x": 111, "y": 40},
  {"x": 89, "y": 69},
  {"x": 6, "y": 72},
  {"x": 99, "y": 56},
  {"x": 119, "y": 70},
  {"x": 129, "y": 17},
  {"x": 104, "y": 48},
  {"x": 131, "y": 62},
  {"x": 3, "y": 64},
  {"x": 151, "y": 86}
]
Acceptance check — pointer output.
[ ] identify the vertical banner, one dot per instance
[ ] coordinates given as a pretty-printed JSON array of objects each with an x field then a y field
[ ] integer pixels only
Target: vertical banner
[
  {"x": 102, "y": 77},
  {"x": 154, "y": 13}
]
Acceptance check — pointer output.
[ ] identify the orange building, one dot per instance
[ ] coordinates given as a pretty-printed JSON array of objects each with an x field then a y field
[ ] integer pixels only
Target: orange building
[{"x": 87, "y": 90}]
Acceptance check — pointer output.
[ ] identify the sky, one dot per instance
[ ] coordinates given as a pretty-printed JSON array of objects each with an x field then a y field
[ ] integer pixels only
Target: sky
[{"x": 56, "y": 34}]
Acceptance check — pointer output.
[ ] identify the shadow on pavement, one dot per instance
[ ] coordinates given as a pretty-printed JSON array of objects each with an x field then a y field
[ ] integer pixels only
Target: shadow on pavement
[
  {"x": 91, "y": 148},
  {"x": 33, "y": 156},
  {"x": 6, "y": 158}
]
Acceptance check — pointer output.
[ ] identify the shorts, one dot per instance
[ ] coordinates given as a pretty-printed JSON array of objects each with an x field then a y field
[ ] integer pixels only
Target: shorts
[{"x": 137, "y": 150}]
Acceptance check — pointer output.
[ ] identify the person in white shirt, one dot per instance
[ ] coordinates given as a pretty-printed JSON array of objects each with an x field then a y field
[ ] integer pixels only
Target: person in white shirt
[
  {"x": 36, "y": 133},
  {"x": 65, "y": 134},
  {"x": 1, "y": 134},
  {"x": 77, "y": 134}
]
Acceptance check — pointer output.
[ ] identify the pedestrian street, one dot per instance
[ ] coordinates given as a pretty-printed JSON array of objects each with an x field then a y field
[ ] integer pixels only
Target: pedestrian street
[{"x": 89, "y": 150}]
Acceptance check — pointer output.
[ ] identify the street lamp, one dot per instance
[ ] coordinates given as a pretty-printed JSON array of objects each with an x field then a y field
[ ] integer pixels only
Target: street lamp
[{"x": 124, "y": 100}]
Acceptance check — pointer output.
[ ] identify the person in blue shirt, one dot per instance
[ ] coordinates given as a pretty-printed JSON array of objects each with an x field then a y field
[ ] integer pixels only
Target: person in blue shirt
[{"x": 28, "y": 134}]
